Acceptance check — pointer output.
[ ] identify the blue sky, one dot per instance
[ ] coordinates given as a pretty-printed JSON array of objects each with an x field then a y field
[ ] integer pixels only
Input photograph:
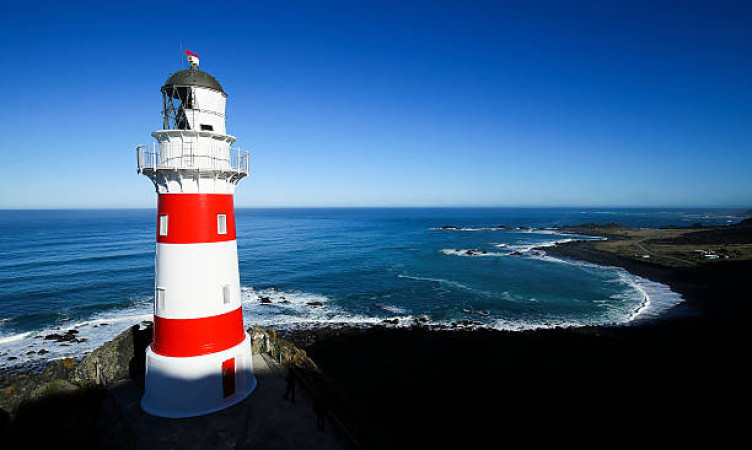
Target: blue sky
[{"x": 440, "y": 103}]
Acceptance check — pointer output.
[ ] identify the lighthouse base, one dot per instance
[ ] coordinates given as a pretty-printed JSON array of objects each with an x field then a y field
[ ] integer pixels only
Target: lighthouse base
[{"x": 194, "y": 386}]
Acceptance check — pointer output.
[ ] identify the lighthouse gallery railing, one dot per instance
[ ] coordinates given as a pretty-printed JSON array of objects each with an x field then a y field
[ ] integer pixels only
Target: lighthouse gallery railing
[{"x": 183, "y": 156}]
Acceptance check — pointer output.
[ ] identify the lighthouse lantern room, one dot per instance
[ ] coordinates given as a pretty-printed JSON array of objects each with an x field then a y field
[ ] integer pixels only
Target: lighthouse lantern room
[{"x": 200, "y": 358}]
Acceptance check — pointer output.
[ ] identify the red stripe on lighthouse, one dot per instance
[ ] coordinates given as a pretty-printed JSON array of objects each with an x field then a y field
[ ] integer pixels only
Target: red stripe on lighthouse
[
  {"x": 195, "y": 337},
  {"x": 192, "y": 218}
]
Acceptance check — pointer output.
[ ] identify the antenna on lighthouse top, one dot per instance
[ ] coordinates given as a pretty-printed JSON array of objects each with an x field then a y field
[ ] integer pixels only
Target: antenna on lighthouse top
[{"x": 192, "y": 59}]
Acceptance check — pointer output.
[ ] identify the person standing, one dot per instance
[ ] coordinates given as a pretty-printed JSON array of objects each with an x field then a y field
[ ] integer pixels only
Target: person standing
[
  {"x": 290, "y": 391},
  {"x": 319, "y": 407}
]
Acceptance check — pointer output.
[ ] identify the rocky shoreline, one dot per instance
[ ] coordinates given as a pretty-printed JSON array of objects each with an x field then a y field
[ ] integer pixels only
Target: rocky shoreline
[
  {"x": 407, "y": 382},
  {"x": 68, "y": 397}
]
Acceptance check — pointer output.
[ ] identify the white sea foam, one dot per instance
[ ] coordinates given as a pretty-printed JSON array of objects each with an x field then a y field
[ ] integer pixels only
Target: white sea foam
[
  {"x": 294, "y": 309},
  {"x": 522, "y": 229},
  {"x": 470, "y": 229},
  {"x": 656, "y": 298},
  {"x": 529, "y": 247},
  {"x": 24, "y": 347},
  {"x": 14, "y": 338},
  {"x": 471, "y": 252},
  {"x": 393, "y": 309},
  {"x": 454, "y": 284},
  {"x": 652, "y": 298}
]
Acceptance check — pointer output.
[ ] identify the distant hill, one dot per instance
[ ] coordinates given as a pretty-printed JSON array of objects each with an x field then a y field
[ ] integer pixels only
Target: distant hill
[{"x": 739, "y": 233}]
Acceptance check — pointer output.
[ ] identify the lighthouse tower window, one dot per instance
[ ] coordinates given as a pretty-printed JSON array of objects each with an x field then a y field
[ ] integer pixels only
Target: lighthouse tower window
[
  {"x": 163, "y": 225},
  {"x": 175, "y": 101},
  {"x": 160, "y": 297},
  {"x": 205, "y": 127},
  {"x": 221, "y": 223},
  {"x": 226, "y": 294}
]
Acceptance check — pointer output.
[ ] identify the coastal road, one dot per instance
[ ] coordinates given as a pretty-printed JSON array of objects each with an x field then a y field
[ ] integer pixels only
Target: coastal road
[{"x": 639, "y": 245}]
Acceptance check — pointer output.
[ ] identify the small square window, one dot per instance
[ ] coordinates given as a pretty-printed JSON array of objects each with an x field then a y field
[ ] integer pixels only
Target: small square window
[
  {"x": 163, "y": 225},
  {"x": 221, "y": 223},
  {"x": 206, "y": 127}
]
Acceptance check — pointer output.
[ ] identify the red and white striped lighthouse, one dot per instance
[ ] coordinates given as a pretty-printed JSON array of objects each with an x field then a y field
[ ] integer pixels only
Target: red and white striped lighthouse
[{"x": 200, "y": 358}]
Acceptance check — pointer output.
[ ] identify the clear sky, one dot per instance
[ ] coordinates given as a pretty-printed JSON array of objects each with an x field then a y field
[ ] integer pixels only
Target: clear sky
[{"x": 405, "y": 103}]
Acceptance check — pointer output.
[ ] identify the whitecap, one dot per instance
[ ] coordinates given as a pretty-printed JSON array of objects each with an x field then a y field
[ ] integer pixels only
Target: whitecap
[{"x": 471, "y": 252}]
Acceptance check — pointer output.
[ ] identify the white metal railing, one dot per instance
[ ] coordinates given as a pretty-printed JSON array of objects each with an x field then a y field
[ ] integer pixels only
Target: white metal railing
[{"x": 192, "y": 155}]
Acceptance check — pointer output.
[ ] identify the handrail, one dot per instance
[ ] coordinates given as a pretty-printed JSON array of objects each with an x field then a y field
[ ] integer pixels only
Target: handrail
[{"x": 172, "y": 156}]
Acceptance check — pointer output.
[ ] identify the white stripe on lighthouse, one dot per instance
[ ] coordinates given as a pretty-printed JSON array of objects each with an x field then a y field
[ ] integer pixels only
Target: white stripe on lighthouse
[{"x": 199, "y": 280}]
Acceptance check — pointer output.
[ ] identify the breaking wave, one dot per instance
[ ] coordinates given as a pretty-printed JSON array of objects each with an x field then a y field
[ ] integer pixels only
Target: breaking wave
[{"x": 30, "y": 348}]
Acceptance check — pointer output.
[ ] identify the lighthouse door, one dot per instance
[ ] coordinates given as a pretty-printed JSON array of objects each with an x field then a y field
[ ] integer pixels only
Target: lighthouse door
[{"x": 228, "y": 377}]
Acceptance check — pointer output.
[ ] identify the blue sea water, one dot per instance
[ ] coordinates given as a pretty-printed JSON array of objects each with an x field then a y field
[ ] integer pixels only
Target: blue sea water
[{"x": 93, "y": 270}]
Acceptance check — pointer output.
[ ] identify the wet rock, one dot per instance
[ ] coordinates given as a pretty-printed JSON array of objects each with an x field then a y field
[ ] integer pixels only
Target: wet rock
[
  {"x": 42, "y": 352},
  {"x": 69, "y": 336},
  {"x": 264, "y": 300},
  {"x": 315, "y": 304},
  {"x": 391, "y": 321}
]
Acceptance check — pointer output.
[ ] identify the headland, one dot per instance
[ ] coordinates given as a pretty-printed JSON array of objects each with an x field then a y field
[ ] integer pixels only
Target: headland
[{"x": 420, "y": 386}]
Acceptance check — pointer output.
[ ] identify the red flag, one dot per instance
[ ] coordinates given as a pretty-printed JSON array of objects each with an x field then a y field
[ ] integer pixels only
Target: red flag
[{"x": 190, "y": 53}]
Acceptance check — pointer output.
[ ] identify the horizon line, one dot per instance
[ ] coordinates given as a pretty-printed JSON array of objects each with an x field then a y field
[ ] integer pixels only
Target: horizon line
[{"x": 101, "y": 208}]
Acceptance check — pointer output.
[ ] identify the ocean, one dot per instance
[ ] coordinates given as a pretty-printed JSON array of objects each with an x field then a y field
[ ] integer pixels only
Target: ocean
[{"x": 93, "y": 271}]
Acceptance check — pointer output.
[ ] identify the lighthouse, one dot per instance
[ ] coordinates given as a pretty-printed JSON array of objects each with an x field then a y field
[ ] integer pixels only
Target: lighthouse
[{"x": 199, "y": 360}]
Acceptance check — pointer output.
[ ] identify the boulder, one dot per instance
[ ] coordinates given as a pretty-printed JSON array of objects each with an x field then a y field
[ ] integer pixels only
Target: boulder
[
  {"x": 120, "y": 359},
  {"x": 69, "y": 336}
]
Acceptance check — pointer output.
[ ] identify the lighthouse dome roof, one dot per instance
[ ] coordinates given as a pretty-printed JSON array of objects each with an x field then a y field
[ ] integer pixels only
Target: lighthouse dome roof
[{"x": 192, "y": 77}]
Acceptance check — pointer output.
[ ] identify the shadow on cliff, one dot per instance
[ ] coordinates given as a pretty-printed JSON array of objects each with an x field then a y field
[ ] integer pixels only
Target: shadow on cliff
[
  {"x": 422, "y": 388},
  {"x": 63, "y": 405}
]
